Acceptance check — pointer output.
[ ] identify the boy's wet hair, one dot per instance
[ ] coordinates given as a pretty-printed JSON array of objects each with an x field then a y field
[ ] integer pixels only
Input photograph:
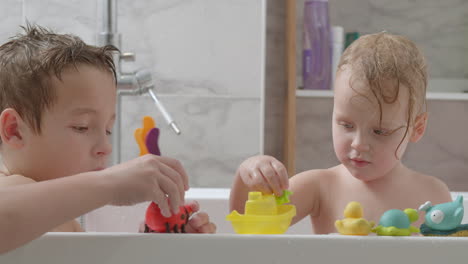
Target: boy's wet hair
[
  {"x": 28, "y": 62},
  {"x": 387, "y": 63}
]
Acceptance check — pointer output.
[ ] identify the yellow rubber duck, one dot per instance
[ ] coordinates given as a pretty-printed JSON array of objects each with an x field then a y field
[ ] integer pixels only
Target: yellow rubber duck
[{"x": 353, "y": 223}]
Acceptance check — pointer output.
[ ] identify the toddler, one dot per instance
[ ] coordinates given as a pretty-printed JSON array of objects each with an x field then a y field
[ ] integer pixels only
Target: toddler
[{"x": 379, "y": 108}]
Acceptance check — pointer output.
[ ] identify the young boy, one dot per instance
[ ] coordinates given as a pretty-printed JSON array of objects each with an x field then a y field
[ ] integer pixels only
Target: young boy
[
  {"x": 379, "y": 107},
  {"x": 57, "y": 103}
]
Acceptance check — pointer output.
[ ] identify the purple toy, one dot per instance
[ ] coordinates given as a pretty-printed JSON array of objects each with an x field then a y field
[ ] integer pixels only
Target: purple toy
[{"x": 152, "y": 141}]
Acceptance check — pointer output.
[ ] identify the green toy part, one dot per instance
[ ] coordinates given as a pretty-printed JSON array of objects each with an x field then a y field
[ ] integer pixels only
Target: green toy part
[
  {"x": 284, "y": 198},
  {"x": 395, "y": 222}
]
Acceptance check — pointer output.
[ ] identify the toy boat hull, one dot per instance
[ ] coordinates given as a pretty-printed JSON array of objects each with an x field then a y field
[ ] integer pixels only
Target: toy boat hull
[{"x": 263, "y": 224}]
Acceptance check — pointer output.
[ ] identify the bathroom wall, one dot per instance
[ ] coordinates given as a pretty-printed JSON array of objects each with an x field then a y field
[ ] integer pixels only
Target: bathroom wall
[
  {"x": 443, "y": 150},
  {"x": 209, "y": 70},
  {"x": 440, "y": 28},
  {"x": 208, "y": 61}
]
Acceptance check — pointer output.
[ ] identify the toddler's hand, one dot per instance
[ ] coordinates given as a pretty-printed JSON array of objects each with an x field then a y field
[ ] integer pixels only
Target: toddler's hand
[
  {"x": 199, "y": 222},
  {"x": 149, "y": 178},
  {"x": 265, "y": 174}
]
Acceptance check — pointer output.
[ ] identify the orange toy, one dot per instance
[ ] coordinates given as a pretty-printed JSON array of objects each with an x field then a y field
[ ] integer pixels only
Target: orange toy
[{"x": 141, "y": 133}]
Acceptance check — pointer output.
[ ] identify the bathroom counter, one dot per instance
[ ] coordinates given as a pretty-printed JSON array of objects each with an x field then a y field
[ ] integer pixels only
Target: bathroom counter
[{"x": 116, "y": 248}]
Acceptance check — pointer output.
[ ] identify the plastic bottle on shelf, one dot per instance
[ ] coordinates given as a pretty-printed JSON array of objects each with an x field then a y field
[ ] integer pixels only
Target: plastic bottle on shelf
[
  {"x": 350, "y": 38},
  {"x": 338, "y": 45},
  {"x": 317, "y": 46}
]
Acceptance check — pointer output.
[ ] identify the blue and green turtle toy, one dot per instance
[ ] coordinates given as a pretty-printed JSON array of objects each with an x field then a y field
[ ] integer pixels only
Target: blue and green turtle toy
[{"x": 397, "y": 223}]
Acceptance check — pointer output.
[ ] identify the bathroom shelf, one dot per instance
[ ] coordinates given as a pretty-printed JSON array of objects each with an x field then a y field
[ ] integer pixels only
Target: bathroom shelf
[
  {"x": 314, "y": 93},
  {"x": 451, "y": 96},
  {"x": 454, "y": 96}
]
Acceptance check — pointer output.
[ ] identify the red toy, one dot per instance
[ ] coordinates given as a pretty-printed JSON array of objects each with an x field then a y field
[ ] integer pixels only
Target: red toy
[{"x": 155, "y": 222}]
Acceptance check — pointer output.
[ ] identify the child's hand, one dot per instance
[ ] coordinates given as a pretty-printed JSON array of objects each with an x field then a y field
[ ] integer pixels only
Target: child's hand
[
  {"x": 200, "y": 221},
  {"x": 265, "y": 174},
  {"x": 148, "y": 178}
]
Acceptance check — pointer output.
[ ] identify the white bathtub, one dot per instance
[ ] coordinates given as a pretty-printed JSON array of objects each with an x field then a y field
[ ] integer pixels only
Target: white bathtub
[
  {"x": 225, "y": 247},
  {"x": 213, "y": 201}
]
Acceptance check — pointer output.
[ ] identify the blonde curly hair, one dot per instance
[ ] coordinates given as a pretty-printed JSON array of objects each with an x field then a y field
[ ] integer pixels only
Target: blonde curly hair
[{"x": 380, "y": 59}]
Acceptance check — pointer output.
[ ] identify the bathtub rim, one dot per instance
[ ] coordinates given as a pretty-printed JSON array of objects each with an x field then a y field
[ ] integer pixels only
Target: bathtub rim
[{"x": 119, "y": 248}]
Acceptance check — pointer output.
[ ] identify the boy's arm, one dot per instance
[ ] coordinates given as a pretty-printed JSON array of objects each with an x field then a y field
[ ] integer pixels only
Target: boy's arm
[
  {"x": 30, "y": 210},
  {"x": 12, "y": 180},
  {"x": 77, "y": 227},
  {"x": 50, "y": 203}
]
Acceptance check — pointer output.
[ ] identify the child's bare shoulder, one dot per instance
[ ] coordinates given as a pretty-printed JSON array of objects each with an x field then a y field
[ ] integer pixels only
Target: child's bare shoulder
[
  {"x": 428, "y": 181},
  {"x": 431, "y": 185},
  {"x": 10, "y": 180},
  {"x": 315, "y": 176}
]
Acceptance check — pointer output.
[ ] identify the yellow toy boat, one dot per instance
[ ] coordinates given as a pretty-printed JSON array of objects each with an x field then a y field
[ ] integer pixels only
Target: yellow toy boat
[
  {"x": 264, "y": 214},
  {"x": 353, "y": 223}
]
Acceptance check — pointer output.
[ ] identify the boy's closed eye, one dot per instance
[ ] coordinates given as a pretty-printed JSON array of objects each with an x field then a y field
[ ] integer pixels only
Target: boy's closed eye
[
  {"x": 345, "y": 125},
  {"x": 84, "y": 129},
  {"x": 80, "y": 129},
  {"x": 382, "y": 132},
  {"x": 387, "y": 132},
  {"x": 378, "y": 131}
]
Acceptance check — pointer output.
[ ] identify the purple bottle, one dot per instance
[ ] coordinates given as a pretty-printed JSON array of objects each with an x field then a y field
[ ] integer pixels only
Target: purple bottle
[{"x": 317, "y": 53}]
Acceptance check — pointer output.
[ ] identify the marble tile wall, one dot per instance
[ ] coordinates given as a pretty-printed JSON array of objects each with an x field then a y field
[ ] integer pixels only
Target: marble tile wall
[
  {"x": 443, "y": 151},
  {"x": 218, "y": 134},
  {"x": 207, "y": 59},
  {"x": 11, "y": 17},
  {"x": 209, "y": 73}
]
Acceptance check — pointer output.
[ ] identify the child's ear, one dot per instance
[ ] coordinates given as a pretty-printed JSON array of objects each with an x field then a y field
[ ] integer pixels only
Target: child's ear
[
  {"x": 419, "y": 128},
  {"x": 11, "y": 128}
]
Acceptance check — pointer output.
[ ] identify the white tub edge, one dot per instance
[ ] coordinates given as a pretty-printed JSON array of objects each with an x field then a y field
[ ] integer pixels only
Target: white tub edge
[{"x": 120, "y": 248}]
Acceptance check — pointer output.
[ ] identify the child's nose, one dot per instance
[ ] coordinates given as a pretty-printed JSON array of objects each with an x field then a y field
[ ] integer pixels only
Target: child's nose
[
  {"x": 104, "y": 147},
  {"x": 360, "y": 144}
]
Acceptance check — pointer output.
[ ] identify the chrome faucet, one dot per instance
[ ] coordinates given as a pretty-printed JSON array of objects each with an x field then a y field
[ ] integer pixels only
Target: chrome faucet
[{"x": 128, "y": 83}]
